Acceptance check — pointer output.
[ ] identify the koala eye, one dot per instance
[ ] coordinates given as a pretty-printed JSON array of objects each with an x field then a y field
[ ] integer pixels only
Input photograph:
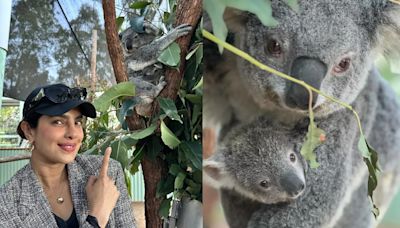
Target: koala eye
[
  {"x": 292, "y": 157},
  {"x": 264, "y": 184},
  {"x": 274, "y": 48},
  {"x": 342, "y": 66}
]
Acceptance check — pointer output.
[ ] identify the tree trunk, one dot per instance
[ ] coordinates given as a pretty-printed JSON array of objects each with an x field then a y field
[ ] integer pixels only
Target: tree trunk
[
  {"x": 114, "y": 47},
  {"x": 189, "y": 12}
]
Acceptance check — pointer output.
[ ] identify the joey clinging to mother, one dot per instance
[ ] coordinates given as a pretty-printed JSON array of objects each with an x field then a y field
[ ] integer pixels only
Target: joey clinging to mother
[{"x": 141, "y": 50}]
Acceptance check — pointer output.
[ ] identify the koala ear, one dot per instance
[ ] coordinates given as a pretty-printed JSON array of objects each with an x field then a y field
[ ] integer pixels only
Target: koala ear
[
  {"x": 214, "y": 168},
  {"x": 235, "y": 19},
  {"x": 387, "y": 34}
]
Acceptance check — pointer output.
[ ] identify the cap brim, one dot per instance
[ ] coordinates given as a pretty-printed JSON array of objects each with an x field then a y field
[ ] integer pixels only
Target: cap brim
[{"x": 54, "y": 109}]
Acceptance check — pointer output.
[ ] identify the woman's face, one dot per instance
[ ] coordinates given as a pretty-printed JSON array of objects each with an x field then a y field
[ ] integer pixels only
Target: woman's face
[{"x": 57, "y": 139}]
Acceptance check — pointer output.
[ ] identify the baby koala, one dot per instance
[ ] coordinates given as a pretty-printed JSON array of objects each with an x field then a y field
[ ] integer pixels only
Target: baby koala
[{"x": 261, "y": 161}]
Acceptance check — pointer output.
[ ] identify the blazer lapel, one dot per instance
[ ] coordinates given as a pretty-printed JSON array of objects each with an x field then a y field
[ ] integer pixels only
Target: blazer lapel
[
  {"x": 36, "y": 209},
  {"x": 77, "y": 180}
]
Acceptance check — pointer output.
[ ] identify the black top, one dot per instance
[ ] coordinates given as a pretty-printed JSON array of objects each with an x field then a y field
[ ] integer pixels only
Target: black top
[{"x": 72, "y": 222}]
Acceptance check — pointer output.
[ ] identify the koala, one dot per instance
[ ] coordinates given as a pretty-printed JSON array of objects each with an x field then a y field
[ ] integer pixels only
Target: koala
[
  {"x": 259, "y": 161},
  {"x": 332, "y": 46},
  {"x": 141, "y": 51}
]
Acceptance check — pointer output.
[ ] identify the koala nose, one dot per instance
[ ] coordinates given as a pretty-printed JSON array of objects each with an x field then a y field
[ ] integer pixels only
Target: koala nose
[
  {"x": 310, "y": 70},
  {"x": 292, "y": 184}
]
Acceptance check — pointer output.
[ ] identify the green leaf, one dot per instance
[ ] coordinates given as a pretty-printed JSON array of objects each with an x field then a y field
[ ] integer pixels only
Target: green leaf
[
  {"x": 119, "y": 21},
  {"x": 175, "y": 169},
  {"x": 192, "y": 52},
  {"x": 370, "y": 157},
  {"x": 178, "y": 184},
  {"x": 215, "y": 9},
  {"x": 164, "y": 207},
  {"x": 166, "y": 17},
  {"x": 195, "y": 99},
  {"x": 171, "y": 56},
  {"x": 120, "y": 152},
  {"x": 168, "y": 137},
  {"x": 141, "y": 134},
  {"x": 119, "y": 90},
  {"x": 126, "y": 107},
  {"x": 168, "y": 106},
  {"x": 293, "y": 4},
  {"x": 135, "y": 159},
  {"x": 165, "y": 187},
  {"x": 199, "y": 85},
  {"x": 129, "y": 141},
  {"x": 139, "y": 4},
  {"x": 193, "y": 152},
  {"x": 312, "y": 141}
]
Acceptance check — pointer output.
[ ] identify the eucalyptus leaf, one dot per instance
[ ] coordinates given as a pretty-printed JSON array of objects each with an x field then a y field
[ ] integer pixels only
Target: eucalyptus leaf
[
  {"x": 135, "y": 159},
  {"x": 370, "y": 157},
  {"x": 168, "y": 137},
  {"x": 141, "y": 134},
  {"x": 168, "y": 106},
  {"x": 127, "y": 106},
  {"x": 123, "y": 89},
  {"x": 195, "y": 99},
  {"x": 293, "y": 4},
  {"x": 166, "y": 16},
  {"x": 139, "y": 4},
  {"x": 193, "y": 152},
  {"x": 175, "y": 169},
  {"x": 312, "y": 141},
  {"x": 178, "y": 184},
  {"x": 119, "y": 22},
  {"x": 199, "y": 85},
  {"x": 120, "y": 152},
  {"x": 215, "y": 9},
  {"x": 164, "y": 208},
  {"x": 128, "y": 181},
  {"x": 171, "y": 55},
  {"x": 192, "y": 52},
  {"x": 165, "y": 186}
]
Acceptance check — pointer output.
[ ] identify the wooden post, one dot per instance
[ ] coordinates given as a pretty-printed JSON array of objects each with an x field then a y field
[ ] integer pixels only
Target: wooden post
[{"x": 93, "y": 78}]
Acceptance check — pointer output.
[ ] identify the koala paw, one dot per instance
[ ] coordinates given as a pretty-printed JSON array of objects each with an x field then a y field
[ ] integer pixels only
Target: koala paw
[
  {"x": 160, "y": 86},
  {"x": 182, "y": 29}
]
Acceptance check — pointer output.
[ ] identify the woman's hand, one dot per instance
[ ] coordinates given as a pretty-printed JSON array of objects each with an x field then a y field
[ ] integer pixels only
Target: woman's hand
[{"x": 101, "y": 192}]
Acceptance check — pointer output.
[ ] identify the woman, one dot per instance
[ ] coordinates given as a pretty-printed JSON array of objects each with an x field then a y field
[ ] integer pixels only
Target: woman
[{"x": 59, "y": 188}]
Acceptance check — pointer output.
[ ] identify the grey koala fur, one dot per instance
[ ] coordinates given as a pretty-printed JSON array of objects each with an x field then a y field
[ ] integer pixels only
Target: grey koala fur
[
  {"x": 319, "y": 36},
  {"x": 141, "y": 51},
  {"x": 261, "y": 161}
]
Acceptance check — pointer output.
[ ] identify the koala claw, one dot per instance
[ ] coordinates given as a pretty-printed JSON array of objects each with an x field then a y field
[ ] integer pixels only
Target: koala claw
[{"x": 183, "y": 29}]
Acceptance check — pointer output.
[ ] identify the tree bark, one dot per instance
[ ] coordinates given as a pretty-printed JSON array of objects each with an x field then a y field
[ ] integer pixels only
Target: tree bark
[
  {"x": 114, "y": 47},
  {"x": 189, "y": 12}
]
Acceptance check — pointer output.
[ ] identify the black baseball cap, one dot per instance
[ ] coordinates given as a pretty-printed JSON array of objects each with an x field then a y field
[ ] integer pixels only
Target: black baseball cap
[{"x": 55, "y": 100}]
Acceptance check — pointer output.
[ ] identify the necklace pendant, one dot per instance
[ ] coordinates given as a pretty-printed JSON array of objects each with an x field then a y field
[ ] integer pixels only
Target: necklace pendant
[{"x": 60, "y": 200}]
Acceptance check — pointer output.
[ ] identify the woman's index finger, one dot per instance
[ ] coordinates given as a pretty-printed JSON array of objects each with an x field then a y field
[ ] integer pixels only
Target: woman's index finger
[{"x": 106, "y": 160}]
